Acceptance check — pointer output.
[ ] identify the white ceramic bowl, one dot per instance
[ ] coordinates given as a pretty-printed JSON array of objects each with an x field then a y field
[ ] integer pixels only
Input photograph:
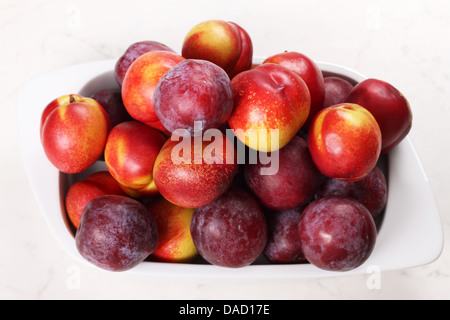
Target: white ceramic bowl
[{"x": 411, "y": 233}]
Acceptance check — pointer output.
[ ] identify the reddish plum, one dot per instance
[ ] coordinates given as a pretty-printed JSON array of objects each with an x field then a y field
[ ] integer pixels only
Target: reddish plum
[
  {"x": 193, "y": 90},
  {"x": 389, "y": 107},
  {"x": 82, "y": 192},
  {"x": 337, "y": 233},
  {"x": 336, "y": 91},
  {"x": 293, "y": 185},
  {"x": 283, "y": 243},
  {"x": 231, "y": 231},
  {"x": 371, "y": 191},
  {"x": 133, "y": 52},
  {"x": 116, "y": 233},
  {"x": 111, "y": 101}
]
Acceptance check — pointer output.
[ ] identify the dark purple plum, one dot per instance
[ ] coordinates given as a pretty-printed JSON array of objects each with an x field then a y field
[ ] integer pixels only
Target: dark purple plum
[
  {"x": 231, "y": 231},
  {"x": 283, "y": 243},
  {"x": 133, "y": 52},
  {"x": 293, "y": 185},
  {"x": 193, "y": 90},
  {"x": 116, "y": 233},
  {"x": 336, "y": 91},
  {"x": 337, "y": 233},
  {"x": 111, "y": 101},
  {"x": 371, "y": 191}
]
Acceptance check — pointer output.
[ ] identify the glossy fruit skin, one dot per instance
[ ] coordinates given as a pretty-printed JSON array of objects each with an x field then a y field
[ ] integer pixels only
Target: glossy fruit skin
[
  {"x": 269, "y": 97},
  {"x": 283, "y": 243},
  {"x": 389, "y": 107},
  {"x": 116, "y": 233},
  {"x": 223, "y": 43},
  {"x": 193, "y": 90},
  {"x": 73, "y": 135},
  {"x": 130, "y": 154},
  {"x": 336, "y": 91},
  {"x": 345, "y": 141},
  {"x": 192, "y": 183},
  {"x": 56, "y": 103},
  {"x": 133, "y": 52},
  {"x": 371, "y": 191},
  {"x": 138, "y": 87},
  {"x": 295, "y": 183},
  {"x": 309, "y": 71},
  {"x": 231, "y": 231},
  {"x": 82, "y": 192},
  {"x": 337, "y": 233},
  {"x": 245, "y": 59},
  {"x": 174, "y": 241},
  {"x": 111, "y": 101}
]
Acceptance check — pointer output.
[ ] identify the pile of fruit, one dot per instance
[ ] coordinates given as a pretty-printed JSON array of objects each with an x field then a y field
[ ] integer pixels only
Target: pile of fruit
[{"x": 212, "y": 157}]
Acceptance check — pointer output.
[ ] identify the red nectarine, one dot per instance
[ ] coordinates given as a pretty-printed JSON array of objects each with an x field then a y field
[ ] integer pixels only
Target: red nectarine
[
  {"x": 223, "y": 43},
  {"x": 139, "y": 85},
  {"x": 174, "y": 229},
  {"x": 308, "y": 70},
  {"x": 74, "y": 131},
  {"x": 130, "y": 153},
  {"x": 192, "y": 174},
  {"x": 134, "y": 51},
  {"x": 268, "y": 99},
  {"x": 345, "y": 141}
]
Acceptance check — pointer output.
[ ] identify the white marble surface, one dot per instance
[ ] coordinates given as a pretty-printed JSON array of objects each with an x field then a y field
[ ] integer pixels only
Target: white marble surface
[{"x": 402, "y": 42}]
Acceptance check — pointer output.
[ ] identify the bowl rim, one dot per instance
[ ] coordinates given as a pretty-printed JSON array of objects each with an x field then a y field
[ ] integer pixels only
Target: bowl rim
[{"x": 419, "y": 242}]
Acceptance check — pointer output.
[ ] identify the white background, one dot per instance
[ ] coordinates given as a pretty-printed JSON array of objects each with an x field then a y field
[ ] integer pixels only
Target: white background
[{"x": 402, "y": 42}]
